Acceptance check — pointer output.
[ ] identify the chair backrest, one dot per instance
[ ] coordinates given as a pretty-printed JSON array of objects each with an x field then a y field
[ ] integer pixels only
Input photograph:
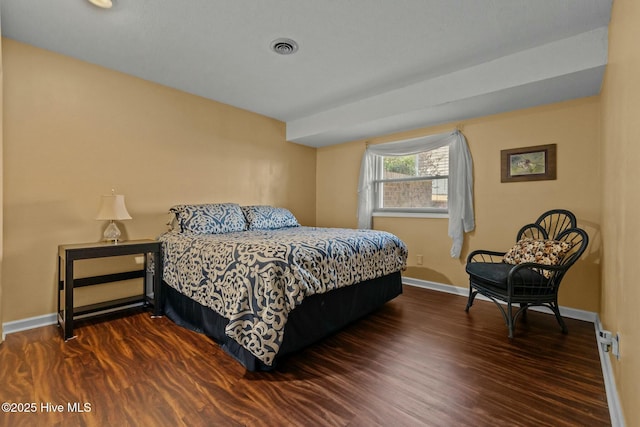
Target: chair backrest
[
  {"x": 556, "y": 221},
  {"x": 579, "y": 240},
  {"x": 549, "y": 225}
]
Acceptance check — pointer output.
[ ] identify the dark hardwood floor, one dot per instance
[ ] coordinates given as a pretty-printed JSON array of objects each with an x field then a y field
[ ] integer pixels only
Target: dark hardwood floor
[{"x": 420, "y": 360}]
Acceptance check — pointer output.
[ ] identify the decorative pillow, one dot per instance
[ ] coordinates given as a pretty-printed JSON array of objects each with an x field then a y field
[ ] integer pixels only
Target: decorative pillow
[
  {"x": 268, "y": 218},
  {"x": 215, "y": 218},
  {"x": 547, "y": 252}
]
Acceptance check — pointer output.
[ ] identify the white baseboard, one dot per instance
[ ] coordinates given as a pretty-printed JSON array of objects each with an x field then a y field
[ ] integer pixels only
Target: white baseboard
[
  {"x": 613, "y": 400},
  {"x": 51, "y": 319},
  {"x": 571, "y": 313},
  {"x": 29, "y": 323}
]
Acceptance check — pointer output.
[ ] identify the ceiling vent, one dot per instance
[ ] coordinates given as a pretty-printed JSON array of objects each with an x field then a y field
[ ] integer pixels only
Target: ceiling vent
[{"x": 284, "y": 46}]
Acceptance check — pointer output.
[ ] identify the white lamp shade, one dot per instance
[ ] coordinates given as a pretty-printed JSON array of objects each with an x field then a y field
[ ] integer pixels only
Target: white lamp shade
[{"x": 112, "y": 208}]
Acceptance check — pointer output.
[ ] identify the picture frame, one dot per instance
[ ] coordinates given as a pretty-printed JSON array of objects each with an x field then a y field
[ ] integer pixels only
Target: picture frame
[{"x": 536, "y": 163}]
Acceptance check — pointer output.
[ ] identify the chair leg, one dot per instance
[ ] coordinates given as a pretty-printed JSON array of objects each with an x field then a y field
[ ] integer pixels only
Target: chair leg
[
  {"x": 509, "y": 320},
  {"x": 507, "y": 315},
  {"x": 472, "y": 296},
  {"x": 556, "y": 311}
]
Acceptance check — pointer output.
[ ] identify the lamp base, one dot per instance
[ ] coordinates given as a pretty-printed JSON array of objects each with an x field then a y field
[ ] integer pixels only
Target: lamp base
[{"x": 112, "y": 233}]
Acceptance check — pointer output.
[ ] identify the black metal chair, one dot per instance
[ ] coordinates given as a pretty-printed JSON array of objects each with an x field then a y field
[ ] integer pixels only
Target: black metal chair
[{"x": 528, "y": 283}]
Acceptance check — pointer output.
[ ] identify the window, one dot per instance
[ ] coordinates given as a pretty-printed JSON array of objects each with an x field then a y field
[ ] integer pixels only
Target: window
[
  {"x": 419, "y": 162},
  {"x": 413, "y": 183}
]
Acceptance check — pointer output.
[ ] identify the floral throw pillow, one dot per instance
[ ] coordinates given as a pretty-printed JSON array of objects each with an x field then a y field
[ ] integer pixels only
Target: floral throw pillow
[
  {"x": 547, "y": 252},
  {"x": 268, "y": 218},
  {"x": 215, "y": 218}
]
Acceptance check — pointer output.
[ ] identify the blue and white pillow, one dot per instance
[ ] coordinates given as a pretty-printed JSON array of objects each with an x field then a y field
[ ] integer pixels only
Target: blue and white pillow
[
  {"x": 215, "y": 218},
  {"x": 268, "y": 218}
]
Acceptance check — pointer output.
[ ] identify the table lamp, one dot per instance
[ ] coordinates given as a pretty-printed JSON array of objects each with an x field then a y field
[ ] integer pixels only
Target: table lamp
[{"x": 112, "y": 209}]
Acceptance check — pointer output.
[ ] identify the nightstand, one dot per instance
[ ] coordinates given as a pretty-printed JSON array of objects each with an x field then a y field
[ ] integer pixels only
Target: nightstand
[{"x": 68, "y": 254}]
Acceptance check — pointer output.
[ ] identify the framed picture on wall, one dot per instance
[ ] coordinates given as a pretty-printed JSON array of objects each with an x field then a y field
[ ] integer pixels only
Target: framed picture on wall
[{"x": 536, "y": 163}]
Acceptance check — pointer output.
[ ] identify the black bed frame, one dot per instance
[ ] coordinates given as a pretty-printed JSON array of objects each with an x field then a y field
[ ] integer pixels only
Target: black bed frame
[{"x": 317, "y": 317}]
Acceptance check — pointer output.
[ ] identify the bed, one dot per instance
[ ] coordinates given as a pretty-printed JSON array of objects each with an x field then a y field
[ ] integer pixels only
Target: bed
[{"x": 263, "y": 287}]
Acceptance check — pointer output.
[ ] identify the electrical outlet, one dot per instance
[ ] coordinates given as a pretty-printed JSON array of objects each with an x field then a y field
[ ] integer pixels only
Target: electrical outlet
[
  {"x": 419, "y": 259},
  {"x": 615, "y": 346},
  {"x": 610, "y": 342}
]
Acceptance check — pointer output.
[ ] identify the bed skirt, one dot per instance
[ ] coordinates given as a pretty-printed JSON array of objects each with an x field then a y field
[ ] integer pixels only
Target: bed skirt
[{"x": 318, "y": 316}]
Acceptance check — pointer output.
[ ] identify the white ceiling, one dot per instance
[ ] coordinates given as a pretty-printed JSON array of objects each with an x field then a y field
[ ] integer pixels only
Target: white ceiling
[{"x": 364, "y": 67}]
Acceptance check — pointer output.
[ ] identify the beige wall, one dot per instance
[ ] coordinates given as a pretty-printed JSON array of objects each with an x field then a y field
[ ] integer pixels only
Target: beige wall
[
  {"x": 500, "y": 208},
  {"x": 621, "y": 200},
  {"x": 74, "y": 130}
]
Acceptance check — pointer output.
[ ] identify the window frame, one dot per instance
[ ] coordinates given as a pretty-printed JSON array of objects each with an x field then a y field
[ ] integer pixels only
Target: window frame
[{"x": 422, "y": 212}]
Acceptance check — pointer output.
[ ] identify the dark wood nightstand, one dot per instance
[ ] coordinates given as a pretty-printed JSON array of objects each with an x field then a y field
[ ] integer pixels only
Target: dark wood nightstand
[{"x": 68, "y": 254}]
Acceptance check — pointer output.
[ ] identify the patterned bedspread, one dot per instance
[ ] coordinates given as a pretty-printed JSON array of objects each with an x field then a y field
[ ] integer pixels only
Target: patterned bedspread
[{"x": 256, "y": 278}]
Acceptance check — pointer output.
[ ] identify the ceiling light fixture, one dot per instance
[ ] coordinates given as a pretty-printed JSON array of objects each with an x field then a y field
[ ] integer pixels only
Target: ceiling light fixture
[
  {"x": 284, "y": 46},
  {"x": 105, "y": 4}
]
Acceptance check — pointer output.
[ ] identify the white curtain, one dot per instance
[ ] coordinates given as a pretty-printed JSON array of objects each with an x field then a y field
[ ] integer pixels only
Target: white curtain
[{"x": 460, "y": 186}]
